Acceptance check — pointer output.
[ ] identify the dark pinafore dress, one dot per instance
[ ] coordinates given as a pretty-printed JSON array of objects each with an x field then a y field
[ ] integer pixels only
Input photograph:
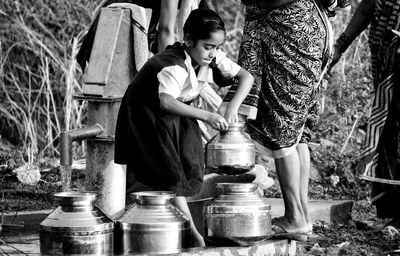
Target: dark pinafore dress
[
  {"x": 164, "y": 151},
  {"x": 161, "y": 150}
]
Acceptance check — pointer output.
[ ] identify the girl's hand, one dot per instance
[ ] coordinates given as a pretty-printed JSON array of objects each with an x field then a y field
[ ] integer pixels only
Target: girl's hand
[
  {"x": 231, "y": 115},
  {"x": 217, "y": 122}
]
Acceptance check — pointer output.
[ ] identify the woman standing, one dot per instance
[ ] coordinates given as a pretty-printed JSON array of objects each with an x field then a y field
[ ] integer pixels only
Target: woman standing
[
  {"x": 381, "y": 154},
  {"x": 286, "y": 47}
]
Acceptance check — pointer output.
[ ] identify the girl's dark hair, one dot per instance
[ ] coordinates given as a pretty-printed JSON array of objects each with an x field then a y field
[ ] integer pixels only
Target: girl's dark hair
[{"x": 201, "y": 23}]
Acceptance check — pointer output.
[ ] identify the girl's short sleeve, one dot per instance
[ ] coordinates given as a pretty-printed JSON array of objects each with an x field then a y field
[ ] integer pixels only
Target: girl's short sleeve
[
  {"x": 227, "y": 66},
  {"x": 171, "y": 80}
]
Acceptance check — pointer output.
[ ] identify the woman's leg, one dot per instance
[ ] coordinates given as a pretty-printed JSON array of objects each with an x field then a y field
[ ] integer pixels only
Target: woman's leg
[
  {"x": 304, "y": 157},
  {"x": 197, "y": 239},
  {"x": 288, "y": 171}
]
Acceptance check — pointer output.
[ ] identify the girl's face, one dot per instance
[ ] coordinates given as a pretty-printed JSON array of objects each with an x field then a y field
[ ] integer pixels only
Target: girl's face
[{"x": 204, "y": 50}]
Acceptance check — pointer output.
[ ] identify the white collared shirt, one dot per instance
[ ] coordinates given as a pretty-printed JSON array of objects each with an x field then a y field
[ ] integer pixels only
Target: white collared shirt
[{"x": 185, "y": 85}]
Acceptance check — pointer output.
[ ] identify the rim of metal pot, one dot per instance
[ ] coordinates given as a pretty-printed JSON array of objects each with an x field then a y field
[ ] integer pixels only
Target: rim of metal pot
[
  {"x": 100, "y": 228},
  {"x": 76, "y": 198},
  {"x": 148, "y": 227},
  {"x": 232, "y": 145},
  {"x": 236, "y": 188},
  {"x": 153, "y": 197},
  {"x": 237, "y": 209},
  {"x": 77, "y": 194},
  {"x": 236, "y": 124}
]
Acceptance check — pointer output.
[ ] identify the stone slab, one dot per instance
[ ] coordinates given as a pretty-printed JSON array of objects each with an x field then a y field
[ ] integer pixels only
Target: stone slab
[
  {"x": 332, "y": 212},
  {"x": 266, "y": 248},
  {"x": 20, "y": 244},
  {"x": 26, "y": 219},
  {"x": 22, "y": 238},
  {"x": 329, "y": 211}
]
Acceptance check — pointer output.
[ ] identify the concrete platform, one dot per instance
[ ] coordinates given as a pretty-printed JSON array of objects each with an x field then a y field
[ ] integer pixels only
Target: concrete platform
[
  {"x": 16, "y": 240},
  {"x": 332, "y": 212},
  {"x": 28, "y": 244},
  {"x": 27, "y": 220},
  {"x": 266, "y": 248}
]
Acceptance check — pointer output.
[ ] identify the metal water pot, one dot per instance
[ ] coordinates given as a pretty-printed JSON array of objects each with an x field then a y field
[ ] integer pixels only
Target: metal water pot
[
  {"x": 152, "y": 225},
  {"x": 237, "y": 213},
  {"x": 230, "y": 152},
  {"x": 76, "y": 227}
]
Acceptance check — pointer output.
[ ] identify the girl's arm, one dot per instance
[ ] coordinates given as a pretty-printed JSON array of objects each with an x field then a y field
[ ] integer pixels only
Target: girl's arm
[
  {"x": 171, "y": 105},
  {"x": 244, "y": 85}
]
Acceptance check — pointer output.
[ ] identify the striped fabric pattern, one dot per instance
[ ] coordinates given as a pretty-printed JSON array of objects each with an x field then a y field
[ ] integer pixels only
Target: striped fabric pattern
[{"x": 382, "y": 42}]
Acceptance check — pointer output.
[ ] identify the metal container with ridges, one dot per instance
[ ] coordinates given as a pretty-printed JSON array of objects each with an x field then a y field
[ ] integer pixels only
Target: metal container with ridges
[
  {"x": 230, "y": 152},
  {"x": 76, "y": 227},
  {"x": 237, "y": 213},
  {"x": 152, "y": 225}
]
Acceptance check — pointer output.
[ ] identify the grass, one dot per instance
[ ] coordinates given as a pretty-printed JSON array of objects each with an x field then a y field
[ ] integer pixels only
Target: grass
[{"x": 38, "y": 72}]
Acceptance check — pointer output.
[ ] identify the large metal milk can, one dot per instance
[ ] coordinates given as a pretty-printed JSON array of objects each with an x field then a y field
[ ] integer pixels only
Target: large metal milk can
[
  {"x": 76, "y": 227},
  {"x": 152, "y": 225},
  {"x": 237, "y": 213},
  {"x": 230, "y": 152}
]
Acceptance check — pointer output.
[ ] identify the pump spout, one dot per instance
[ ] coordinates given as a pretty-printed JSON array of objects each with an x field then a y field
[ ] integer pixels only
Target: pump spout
[{"x": 67, "y": 137}]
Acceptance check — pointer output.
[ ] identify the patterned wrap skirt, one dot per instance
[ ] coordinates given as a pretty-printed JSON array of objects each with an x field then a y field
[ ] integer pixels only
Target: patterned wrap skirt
[{"x": 286, "y": 49}]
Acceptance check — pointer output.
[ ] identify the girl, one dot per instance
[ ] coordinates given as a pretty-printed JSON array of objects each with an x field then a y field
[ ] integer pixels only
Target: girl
[{"x": 157, "y": 135}]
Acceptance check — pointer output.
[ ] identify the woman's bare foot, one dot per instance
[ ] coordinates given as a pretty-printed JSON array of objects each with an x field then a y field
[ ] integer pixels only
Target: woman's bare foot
[
  {"x": 290, "y": 226},
  {"x": 282, "y": 228}
]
